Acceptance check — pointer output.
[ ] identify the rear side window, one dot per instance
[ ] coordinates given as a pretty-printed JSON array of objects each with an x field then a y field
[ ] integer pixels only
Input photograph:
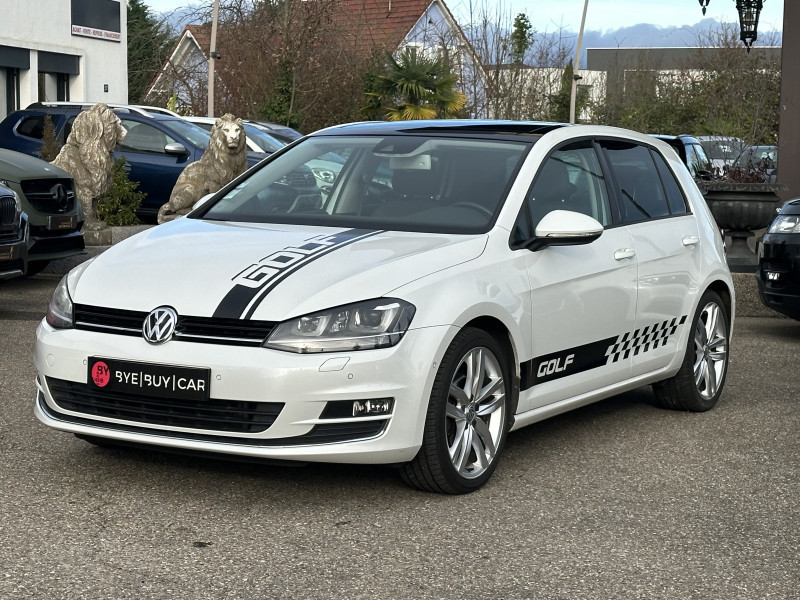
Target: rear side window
[
  {"x": 675, "y": 198},
  {"x": 696, "y": 159},
  {"x": 639, "y": 187},
  {"x": 32, "y": 127}
]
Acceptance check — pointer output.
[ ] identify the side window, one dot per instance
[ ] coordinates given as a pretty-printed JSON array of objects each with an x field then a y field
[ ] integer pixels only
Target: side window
[
  {"x": 675, "y": 199},
  {"x": 32, "y": 127},
  {"x": 570, "y": 179},
  {"x": 696, "y": 159},
  {"x": 144, "y": 138},
  {"x": 641, "y": 194},
  {"x": 703, "y": 164}
]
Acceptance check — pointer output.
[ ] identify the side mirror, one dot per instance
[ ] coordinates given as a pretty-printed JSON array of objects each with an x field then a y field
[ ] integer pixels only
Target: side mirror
[
  {"x": 176, "y": 148},
  {"x": 564, "y": 228}
]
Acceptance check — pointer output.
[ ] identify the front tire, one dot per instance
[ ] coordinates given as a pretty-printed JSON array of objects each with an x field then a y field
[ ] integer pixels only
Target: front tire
[
  {"x": 468, "y": 417},
  {"x": 698, "y": 384}
]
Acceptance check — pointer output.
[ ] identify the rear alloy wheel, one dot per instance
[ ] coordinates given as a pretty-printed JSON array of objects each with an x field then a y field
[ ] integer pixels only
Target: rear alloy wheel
[
  {"x": 467, "y": 420},
  {"x": 698, "y": 384}
]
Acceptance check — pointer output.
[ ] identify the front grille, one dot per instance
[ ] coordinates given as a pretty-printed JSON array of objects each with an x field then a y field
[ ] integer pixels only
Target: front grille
[
  {"x": 778, "y": 266},
  {"x": 321, "y": 434},
  {"x": 53, "y": 196},
  {"x": 8, "y": 210},
  {"x": 232, "y": 416},
  {"x": 207, "y": 330}
]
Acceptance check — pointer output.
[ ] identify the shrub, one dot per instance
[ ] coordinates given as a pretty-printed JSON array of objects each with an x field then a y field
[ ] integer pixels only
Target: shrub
[
  {"x": 50, "y": 146},
  {"x": 119, "y": 204}
]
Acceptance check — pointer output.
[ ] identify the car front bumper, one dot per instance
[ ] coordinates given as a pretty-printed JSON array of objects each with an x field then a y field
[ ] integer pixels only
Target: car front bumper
[
  {"x": 51, "y": 245},
  {"x": 14, "y": 251},
  {"x": 302, "y": 388},
  {"x": 778, "y": 274}
]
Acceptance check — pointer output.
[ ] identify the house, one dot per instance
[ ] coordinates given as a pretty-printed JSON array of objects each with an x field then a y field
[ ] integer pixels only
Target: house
[{"x": 342, "y": 31}]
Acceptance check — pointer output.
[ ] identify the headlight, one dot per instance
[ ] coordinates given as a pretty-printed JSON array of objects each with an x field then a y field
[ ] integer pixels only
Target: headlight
[
  {"x": 18, "y": 210},
  {"x": 785, "y": 224},
  {"x": 378, "y": 323},
  {"x": 59, "y": 313}
]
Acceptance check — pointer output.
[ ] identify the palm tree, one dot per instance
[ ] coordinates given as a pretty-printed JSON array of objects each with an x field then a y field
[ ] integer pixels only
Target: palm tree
[{"x": 414, "y": 87}]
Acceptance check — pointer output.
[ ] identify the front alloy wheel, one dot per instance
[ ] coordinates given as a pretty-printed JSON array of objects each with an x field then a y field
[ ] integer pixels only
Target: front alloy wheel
[
  {"x": 468, "y": 417},
  {"x": 475, "y": 413}
]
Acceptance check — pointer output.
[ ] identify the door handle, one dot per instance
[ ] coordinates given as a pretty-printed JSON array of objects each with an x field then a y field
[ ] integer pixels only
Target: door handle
[
  {"x": 624, "y": 253},
  {"x": 690, "y": 240}
]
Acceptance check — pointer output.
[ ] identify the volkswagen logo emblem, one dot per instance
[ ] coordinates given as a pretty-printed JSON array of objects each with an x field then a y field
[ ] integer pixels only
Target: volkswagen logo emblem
[
  {"x": 160, "y": 325},
  {"x": 60, "y": 195}
]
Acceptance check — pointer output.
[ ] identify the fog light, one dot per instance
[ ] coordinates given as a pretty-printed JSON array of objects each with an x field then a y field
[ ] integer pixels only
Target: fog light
[
  {"x": 772, "y": 276},
  {"x": 381, "y": 406}
]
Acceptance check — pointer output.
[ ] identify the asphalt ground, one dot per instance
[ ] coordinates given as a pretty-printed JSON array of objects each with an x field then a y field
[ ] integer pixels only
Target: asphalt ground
[{"x": 616, "y": 500}]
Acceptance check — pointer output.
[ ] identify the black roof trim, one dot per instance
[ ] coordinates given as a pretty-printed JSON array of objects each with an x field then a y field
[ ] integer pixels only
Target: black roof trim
[{"x": 452, "y": 126}]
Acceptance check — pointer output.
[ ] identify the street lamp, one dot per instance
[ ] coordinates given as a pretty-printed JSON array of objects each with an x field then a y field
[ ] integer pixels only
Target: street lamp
[{"x": 748, "y": 10}]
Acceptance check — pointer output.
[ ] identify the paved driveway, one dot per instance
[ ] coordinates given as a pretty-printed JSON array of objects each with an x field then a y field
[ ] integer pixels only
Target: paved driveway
[{"x": 616, "y": 500}]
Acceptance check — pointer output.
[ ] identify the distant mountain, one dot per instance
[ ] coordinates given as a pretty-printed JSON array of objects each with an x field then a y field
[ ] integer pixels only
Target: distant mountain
[{"x": 646, "y": 35}]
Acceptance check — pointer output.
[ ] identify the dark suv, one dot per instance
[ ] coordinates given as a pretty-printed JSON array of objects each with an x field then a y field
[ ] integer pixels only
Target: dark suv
[
  {"x": 13, "y": 235},
  {"x": 47, "y": 195},
  {"x": 157, "y": 147},
  {"x": 692, "y": 154}
]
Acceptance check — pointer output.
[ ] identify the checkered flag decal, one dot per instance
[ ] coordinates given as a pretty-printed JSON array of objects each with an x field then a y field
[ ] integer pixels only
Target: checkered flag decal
[{"x": 643, "y": 340}]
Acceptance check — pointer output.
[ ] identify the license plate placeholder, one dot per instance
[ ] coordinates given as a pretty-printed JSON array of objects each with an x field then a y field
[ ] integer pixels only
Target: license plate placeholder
[
  {"x": 61, "y": 222},
  {"x": 148, "y": 379}
]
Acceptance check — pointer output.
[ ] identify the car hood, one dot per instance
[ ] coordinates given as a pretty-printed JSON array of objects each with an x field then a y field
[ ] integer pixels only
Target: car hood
[
  {"x": 262, "y": 271},
  {"x": 16, "y": 166}
]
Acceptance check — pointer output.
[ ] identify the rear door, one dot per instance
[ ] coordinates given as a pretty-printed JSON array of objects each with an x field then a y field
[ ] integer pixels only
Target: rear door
[{"x": 667, "y": 245}]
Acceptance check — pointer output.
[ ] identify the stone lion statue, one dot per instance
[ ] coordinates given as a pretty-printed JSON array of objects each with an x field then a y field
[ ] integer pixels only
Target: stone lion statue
[
  {"x": 88, "y": 155},
  {"x": 224, "y": 159}
]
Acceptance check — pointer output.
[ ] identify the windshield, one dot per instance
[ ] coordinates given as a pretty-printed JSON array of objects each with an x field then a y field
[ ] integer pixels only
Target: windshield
[
  {"x": 195, "y": 134},
  {"x": 406, "y": 183},
  {"x": 264, "y": 141},
  {"x": 726, "y": 149}
]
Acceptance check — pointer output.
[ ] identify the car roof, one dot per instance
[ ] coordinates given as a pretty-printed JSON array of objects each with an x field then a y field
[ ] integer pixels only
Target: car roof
[
  {"x": 443, "y": 126},
  {"x": 681, "y": 136}
]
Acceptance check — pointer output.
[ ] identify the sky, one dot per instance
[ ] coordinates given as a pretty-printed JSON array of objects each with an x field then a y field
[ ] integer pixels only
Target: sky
[{"x": 601, "y": 15}]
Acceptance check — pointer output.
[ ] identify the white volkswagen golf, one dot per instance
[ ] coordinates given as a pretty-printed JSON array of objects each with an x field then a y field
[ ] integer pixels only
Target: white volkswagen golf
[{"x": 451, "y": 282}]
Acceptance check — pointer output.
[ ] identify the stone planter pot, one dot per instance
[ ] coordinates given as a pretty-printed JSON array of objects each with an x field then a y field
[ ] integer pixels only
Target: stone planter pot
[{"x": 741, "y": 209}]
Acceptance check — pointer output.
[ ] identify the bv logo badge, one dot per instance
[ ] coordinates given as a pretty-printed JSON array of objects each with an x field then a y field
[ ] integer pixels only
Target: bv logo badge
[{"x": 160, "y": 325}]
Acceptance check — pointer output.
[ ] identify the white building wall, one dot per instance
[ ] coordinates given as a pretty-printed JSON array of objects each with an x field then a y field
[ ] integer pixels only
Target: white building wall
[{"x": 46, "y": 26}]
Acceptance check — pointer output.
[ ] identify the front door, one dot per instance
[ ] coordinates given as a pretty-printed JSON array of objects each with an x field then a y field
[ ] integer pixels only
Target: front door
[{"x": 583, "y": 297}]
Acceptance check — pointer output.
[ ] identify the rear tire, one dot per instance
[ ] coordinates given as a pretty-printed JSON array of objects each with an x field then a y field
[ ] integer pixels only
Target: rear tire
[
  {"x": 698, "y": 384},
  {"x": 468, "y": 417}
]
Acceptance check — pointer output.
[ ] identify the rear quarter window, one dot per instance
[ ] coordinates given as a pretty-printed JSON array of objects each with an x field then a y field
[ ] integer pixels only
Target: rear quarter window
[
  {"x": 640, "y": 191},
  {"x": 675, "y": 197},
  {"x": 32, "y": 127}
]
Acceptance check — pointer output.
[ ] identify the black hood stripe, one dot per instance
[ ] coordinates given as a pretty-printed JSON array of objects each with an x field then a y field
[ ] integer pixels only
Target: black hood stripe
[{"x": 258, "y": 279}]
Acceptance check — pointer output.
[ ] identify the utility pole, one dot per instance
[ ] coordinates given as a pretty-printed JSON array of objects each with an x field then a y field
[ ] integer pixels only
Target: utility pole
[
  {"x": 575, "y": 77},
  {"x": 212, "y": 56}
]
